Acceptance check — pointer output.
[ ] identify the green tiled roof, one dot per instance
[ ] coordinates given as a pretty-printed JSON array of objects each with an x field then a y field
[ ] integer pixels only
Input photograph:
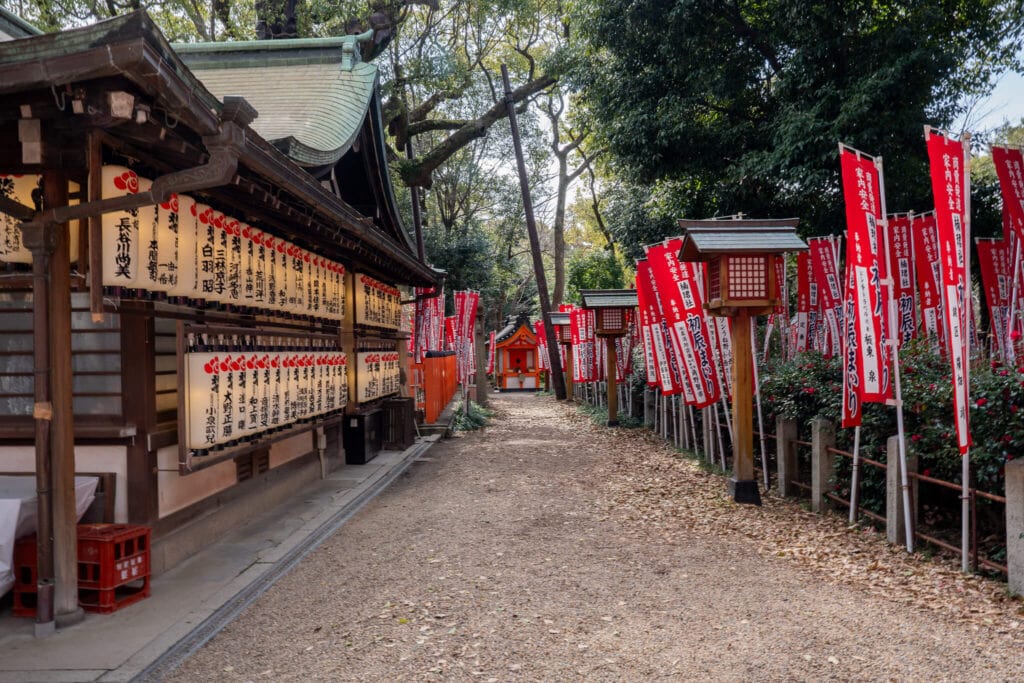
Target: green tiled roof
[
  {"x": 12, "y": 26},
  {"x": 310, "y": 107}
]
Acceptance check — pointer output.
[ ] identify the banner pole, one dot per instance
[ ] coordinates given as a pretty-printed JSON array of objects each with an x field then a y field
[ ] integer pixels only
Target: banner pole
[
  {"x": 965, "y": 510},
  {"x": 855, "y": 477},
  {"x": 893, "y": 342},
  {"x": 757, "y": 396},
  {"x": 1011, "y": 351}
]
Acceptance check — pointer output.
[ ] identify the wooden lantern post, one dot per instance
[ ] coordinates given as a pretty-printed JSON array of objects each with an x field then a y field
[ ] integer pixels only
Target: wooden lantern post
[
  {"x": 560, "y": 324},
  {"x": 611, "y": 313},
  {"x": 740, "y": 283}
]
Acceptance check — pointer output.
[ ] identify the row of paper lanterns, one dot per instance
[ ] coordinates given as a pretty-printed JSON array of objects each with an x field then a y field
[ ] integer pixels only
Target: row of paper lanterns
[
  {"x": 234, "y": 396},
  {"x": 185, "y": 249},
  {"x": 377, "y": 375},
  {"x": 20, "y": 188}
]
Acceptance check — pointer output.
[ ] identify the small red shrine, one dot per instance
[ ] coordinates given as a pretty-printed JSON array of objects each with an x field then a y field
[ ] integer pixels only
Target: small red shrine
[{"x": 515, "y": 357}]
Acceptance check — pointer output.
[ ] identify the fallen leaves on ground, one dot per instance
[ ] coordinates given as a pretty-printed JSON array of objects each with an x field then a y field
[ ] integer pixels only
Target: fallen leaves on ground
[{"x": 657, "y": 490}]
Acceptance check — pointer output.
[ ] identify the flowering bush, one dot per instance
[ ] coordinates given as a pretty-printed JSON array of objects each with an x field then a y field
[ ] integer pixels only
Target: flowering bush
[{"x": 809, "y": 386}]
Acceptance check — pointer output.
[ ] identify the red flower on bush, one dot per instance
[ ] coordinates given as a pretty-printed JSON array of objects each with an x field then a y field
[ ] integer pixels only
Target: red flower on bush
[
  {"x": 809, "y": 390},
  {"x": 926, "y": 472},
  {"x": 916, "y": 437},
  {"x": 981, "y": 401}
]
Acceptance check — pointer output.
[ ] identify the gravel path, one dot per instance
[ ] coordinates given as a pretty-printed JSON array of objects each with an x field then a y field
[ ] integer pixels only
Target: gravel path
[{"x": 547, "y": 549}]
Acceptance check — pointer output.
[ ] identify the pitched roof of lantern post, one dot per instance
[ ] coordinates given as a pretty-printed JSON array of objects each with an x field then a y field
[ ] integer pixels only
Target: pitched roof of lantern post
[
  {"x": 608, "y": 298},
  {"x": 704, "y": 239},
  {"x": 559, "y": 317}
]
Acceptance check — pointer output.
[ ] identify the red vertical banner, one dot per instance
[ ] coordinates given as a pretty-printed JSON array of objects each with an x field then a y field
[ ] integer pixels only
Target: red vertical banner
[
  {"x": 643, "y": 324},
  {"x": 825, "y": 278},
  {"x": 901, "y": 266},
  {"x": 666, "y": 367},
  {"x": 803, "y": 301},
  {"x": 997, "y": 280},
  {"x": 576, "y": 328},
  {"x": 543, "y": 360},
  {"x": 449, "y": 333},
  {"x": 683, "y": 309},
  {"x": 782, "y": 308},
  {"x": 865, "y": 354},
  {"x": 929, "y": 275},
  {"x": 490, "y": 353},
  {"x": 948, "y": 163},
  {"x": 1009, "y": 163}
]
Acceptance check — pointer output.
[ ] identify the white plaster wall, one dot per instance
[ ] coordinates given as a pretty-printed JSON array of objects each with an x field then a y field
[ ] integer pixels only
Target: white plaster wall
[
  {"x": 177, "y": 491},
  {"x": 87, "y": 459}
]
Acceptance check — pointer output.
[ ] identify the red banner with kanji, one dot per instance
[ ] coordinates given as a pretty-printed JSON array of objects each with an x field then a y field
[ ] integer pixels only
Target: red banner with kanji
[
  {"x": 948, "y": 162},
  {"x": 683, "y": 310},
  {"x": 643, "y": 324},
  {"x": 1009, "y": 163},
  {"x": 866, "y": 364},
  {"x": 803, "y": 302},
  {"x": 997, "y": 280},
  {"x": 666, "y": 368},
  {"x": 929, "y": 277},
  {"x": 901, "y": 266},
  {"x": 825, "y": 282}
]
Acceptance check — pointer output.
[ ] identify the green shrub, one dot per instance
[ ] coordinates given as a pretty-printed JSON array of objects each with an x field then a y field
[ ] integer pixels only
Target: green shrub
[{"x": 477, "y": 417}]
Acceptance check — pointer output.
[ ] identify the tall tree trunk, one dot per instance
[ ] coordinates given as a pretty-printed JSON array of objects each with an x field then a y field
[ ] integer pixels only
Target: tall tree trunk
[{"x": 559, "y": 230}]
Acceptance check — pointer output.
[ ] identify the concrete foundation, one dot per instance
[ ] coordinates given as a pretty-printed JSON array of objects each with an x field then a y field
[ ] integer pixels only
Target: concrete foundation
[
  {"x": 823, "y": 437},
  {"x": 895, "y": 521},
  {"x": 1015, "y": 526},
  {"x": 785, "y": 456}
]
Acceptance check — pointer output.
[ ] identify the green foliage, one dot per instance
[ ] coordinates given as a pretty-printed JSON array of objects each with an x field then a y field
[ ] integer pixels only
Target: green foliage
[
  {"x": 599, "y": 416},
  {"x": 594, "y": 270},
  {"x": 476, "y": 418},
  {"x": 742, "y": 103}
]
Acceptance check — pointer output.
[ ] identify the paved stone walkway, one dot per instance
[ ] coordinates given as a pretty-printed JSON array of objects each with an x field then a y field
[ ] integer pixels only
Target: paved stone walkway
[{"x": 500, "y": 557}]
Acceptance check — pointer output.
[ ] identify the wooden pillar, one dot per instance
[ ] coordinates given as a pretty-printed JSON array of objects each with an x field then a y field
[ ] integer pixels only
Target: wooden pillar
[
  {"x": 613, "y": 397},
  {"x": 62, "y": 434},
  {"x": 138, "y": 372},
  {"x": 743, "y": 486}
]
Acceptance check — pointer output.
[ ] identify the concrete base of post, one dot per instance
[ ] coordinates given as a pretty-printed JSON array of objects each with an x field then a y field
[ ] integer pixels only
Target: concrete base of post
[
  {"x": 823, "y": 437},
  {"x": 895, "y": 522},
  {"x": 612, "y": 423},
  {"x": 1015, "y": 526},
  {"x": 746, "y": 491},
  {"x": 785, "y": 432}
]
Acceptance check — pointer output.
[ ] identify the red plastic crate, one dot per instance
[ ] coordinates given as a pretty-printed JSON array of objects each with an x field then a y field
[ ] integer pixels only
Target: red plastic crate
[
  {"x": 113, "y": 568},
  {"x": 111, "y": 555},
  {"x": 25, "y": 577}
]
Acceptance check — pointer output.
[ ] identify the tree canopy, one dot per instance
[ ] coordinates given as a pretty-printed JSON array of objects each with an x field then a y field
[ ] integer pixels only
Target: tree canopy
[{"x": 737, "y": 105}]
